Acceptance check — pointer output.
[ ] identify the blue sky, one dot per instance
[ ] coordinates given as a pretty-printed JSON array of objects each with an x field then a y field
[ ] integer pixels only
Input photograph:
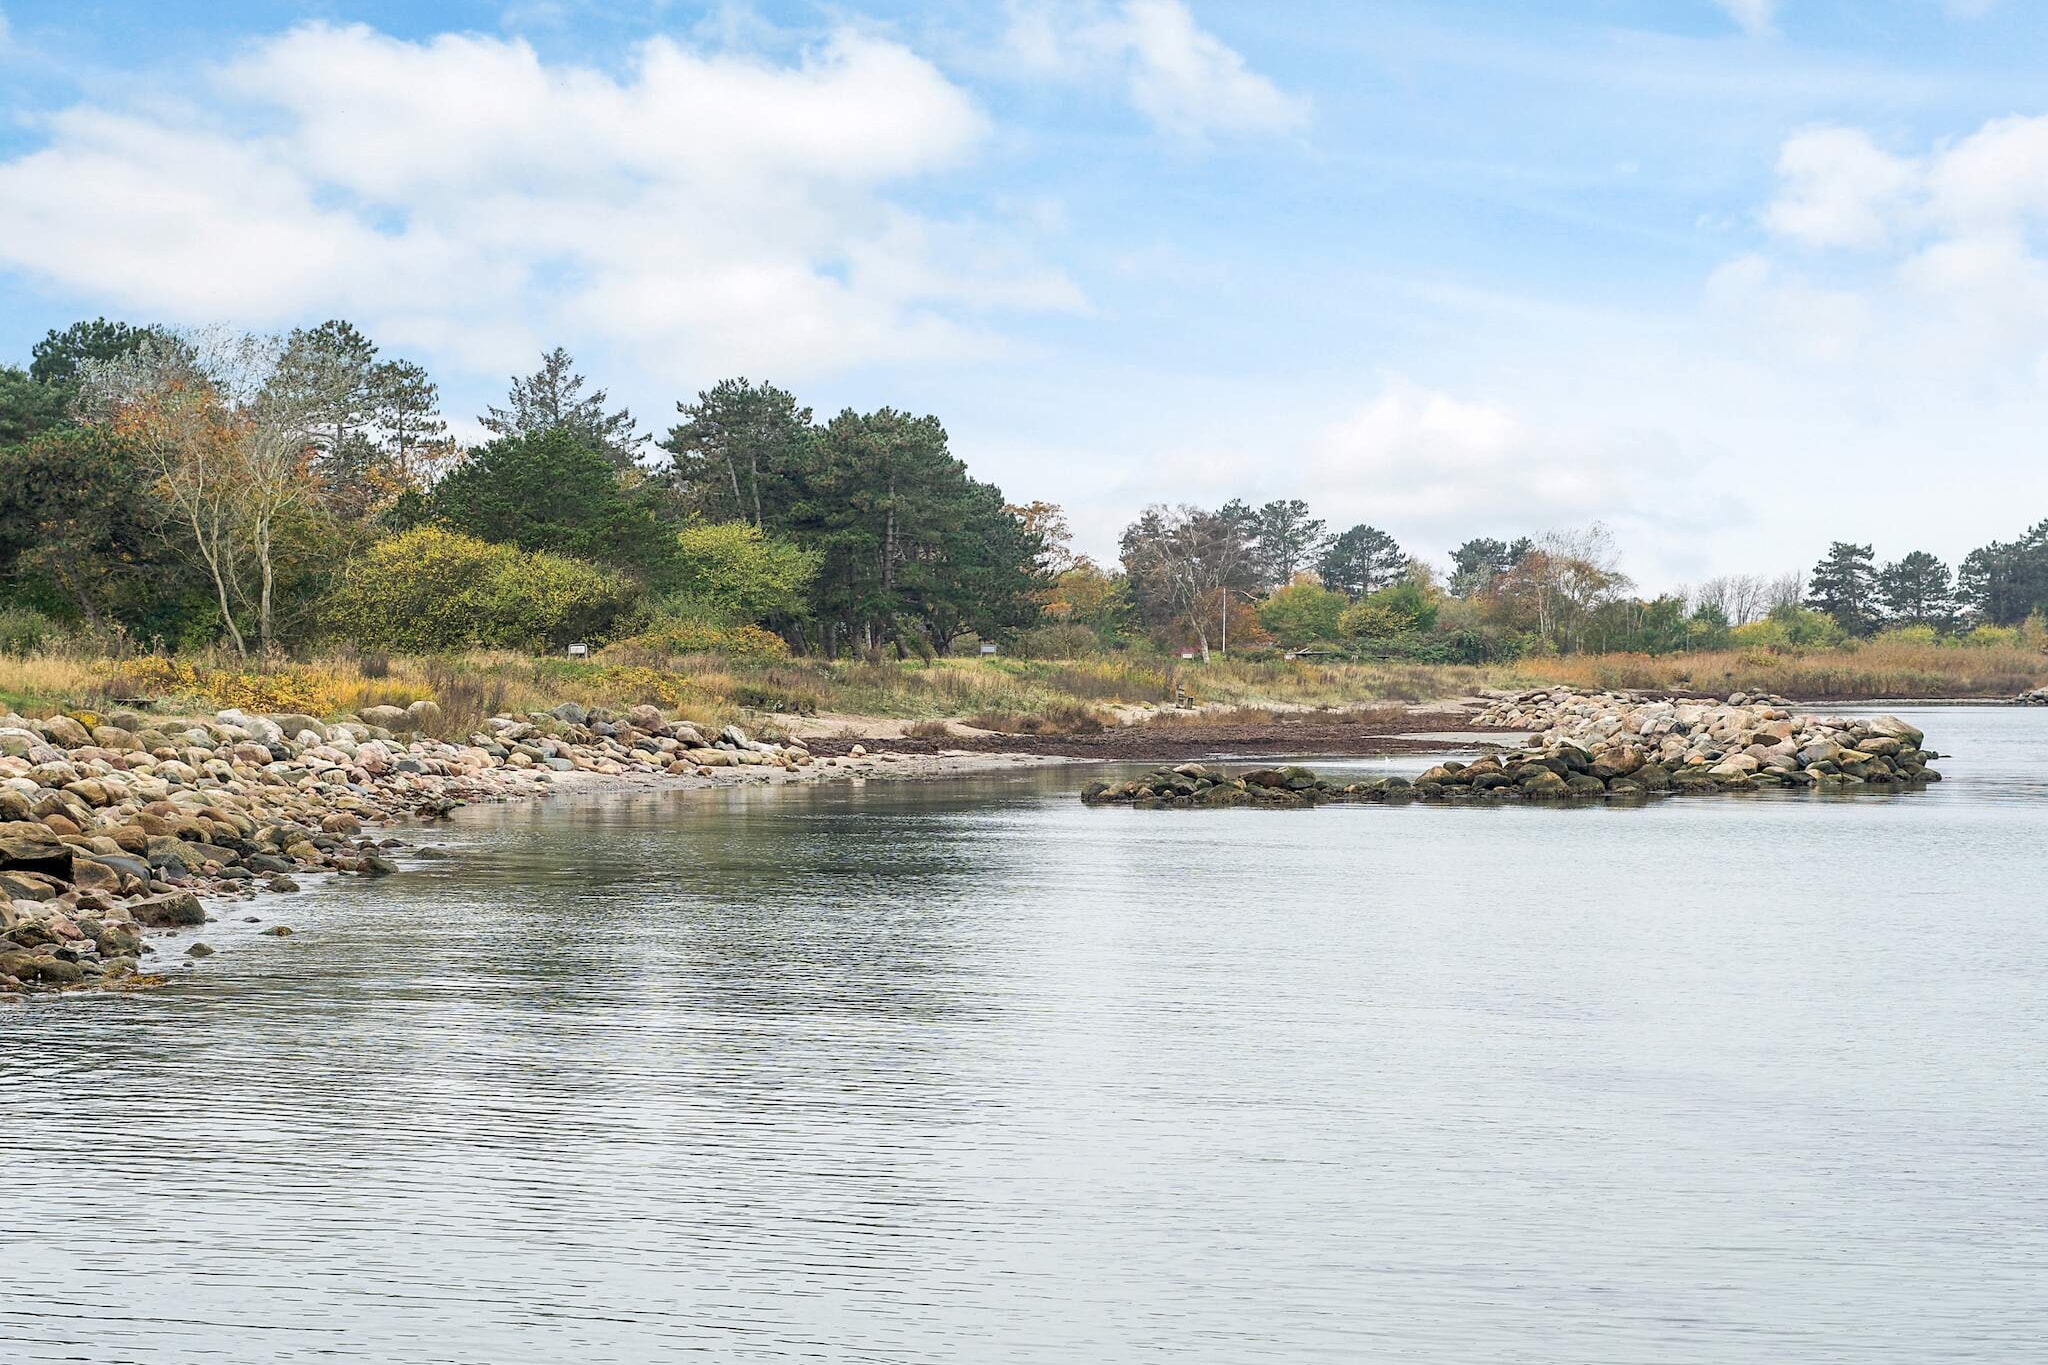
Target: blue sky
[{"x": 1734, "y": 277}]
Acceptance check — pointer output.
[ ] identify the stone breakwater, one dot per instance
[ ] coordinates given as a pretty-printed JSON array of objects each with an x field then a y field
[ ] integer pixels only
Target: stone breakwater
[
  {"x": 112, "y": 828},
  {"x": 1603, "y": 746},
  {"x": 1741, "y": 743}
]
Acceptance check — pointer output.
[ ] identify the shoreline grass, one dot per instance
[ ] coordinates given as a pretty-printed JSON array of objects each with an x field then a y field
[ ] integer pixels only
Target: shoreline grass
[{"x": 1014, "y": 695}]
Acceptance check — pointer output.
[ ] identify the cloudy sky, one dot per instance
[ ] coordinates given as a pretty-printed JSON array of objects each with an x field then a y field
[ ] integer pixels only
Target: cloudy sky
[{"x": 1737, "y": 277}]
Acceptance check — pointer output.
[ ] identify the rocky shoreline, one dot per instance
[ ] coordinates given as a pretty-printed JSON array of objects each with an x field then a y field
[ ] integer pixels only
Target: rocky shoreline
[
  {"x": 1594, "y": 745},
  {"x": 113, "y": 828},
  {"x": 118, "y": 831}
]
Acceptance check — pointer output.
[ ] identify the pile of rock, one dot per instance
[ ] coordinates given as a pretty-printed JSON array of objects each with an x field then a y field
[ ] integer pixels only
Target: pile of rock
[
  {"x": 1198, "y": 784},
  {"x": 2037, "y": 697},
  {"x": 1546, "y": 708},
  {"x": 573, "y": 738},
  {"x": 109, "y": 825},
  {"x": 1595, "y": 745},
  {"x": 1745, "y": 741}
]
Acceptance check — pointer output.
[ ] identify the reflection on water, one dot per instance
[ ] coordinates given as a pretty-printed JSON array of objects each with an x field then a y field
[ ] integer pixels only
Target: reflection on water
[{"x": 968, "y": 1072}]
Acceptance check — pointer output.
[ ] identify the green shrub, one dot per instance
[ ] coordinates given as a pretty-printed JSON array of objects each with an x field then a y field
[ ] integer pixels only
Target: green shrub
[
  {"x": 1058, "y": 640},
  {"x": 24, "y": 631},
  {"x": 430, "y": 590},
  {"x": 1302, "y": 612},
  {"x": 731, "y": 571},
  {"x": 1404, "y": 609}
]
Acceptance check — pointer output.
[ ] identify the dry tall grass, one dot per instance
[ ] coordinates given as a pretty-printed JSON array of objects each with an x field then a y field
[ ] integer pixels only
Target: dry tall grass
[
  {"x": 1877, "y": 669},
  {"x": 1017, "y": 695}
]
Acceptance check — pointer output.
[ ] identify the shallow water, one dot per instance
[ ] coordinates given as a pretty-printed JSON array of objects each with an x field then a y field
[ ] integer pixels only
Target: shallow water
[{"x": 967, "y": 1072}]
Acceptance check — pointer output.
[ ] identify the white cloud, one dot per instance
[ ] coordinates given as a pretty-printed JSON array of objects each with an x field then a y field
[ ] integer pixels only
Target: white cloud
[
  {"x": 1189, "y": 82},
  {"x": 1787, "y": 315},
  {"x": 1839, "y": 189},
  {"x": 706, "y": 210},
  {"x": 1757, "y": 18},
  {"x": 1437, "y": 468},
  {"x": 1955, "y": 278},
  {"x": 1185, "y": 80}
]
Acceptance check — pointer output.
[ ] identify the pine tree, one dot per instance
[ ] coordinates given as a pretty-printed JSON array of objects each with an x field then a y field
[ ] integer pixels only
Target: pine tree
[
  {"x": 408, "y": 414},
  {"x": 1362, "y": 560},
  {"x": 740, "y": 452},
  {"x": 1917, "y": 590},
  {"x": 1844, "y": 585},
  {"x": 1285, "y": 540},
  {"x": 549, "y": 398},
  {"x": 1479, "y": 563},
  {"x": 328, "y": 374}
]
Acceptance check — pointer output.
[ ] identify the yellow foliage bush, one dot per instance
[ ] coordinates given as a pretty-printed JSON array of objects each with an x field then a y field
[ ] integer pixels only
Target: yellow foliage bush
[
  {"x": 311, "y": 689},
  {"x": 431, "y": 589},
  {"x": 682, "y": 636}
]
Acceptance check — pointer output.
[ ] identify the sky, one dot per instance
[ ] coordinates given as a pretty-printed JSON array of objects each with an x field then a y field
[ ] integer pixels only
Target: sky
[{"x": 1735, "y": 278}]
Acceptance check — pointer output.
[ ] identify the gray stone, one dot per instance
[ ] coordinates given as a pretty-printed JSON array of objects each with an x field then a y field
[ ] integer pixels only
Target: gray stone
[{"x": 171, "y": 910}]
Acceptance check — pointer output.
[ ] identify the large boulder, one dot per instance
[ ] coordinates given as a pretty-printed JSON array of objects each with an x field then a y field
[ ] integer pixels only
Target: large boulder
[
  {"x": 423, "y": 714},
  {"x": 67, "y": 732},
  {"x": 176, "y": 909},
  {"x": 28, "y": 847},
  {"x": 1891, "y": 727},
  {"x": 383, "y": 717},
  {"x": 1617, "y": 761},
  {"x": 294, "y": 722},
  {"x": 113, "y": 737},
  {"x": 260, "y": 728}
]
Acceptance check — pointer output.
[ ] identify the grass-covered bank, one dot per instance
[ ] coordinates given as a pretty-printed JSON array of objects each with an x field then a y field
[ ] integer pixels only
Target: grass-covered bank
[
  {"x": 1011, "y": 695},
  {"x": 1863, "y": 671},
  {"x": 990, "y": 693}
]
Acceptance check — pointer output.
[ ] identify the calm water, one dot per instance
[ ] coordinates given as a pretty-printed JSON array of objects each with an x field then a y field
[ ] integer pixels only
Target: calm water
[{"x": 966, "y": 1072}]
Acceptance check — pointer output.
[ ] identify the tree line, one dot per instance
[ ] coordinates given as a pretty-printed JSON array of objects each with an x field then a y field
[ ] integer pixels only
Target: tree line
[
  {"x": 188, "y": 488},
  {"x": 1277, "y": 575},
  {"x": 183, "y": 489}
]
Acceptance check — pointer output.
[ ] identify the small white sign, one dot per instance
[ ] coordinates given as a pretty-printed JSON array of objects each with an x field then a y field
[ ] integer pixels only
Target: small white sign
[
  {"x": 579, "y": 651},
  {"x": 987, "y": 648}
]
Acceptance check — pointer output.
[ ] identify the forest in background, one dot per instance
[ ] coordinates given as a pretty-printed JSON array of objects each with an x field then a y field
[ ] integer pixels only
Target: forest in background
[{"x": 183, "y": 493}]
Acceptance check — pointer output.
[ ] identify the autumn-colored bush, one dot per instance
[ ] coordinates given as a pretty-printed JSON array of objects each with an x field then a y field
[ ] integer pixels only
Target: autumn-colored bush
[
  {"x": 674, "y": 636},
  {"x": 313, "y": 689}
]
